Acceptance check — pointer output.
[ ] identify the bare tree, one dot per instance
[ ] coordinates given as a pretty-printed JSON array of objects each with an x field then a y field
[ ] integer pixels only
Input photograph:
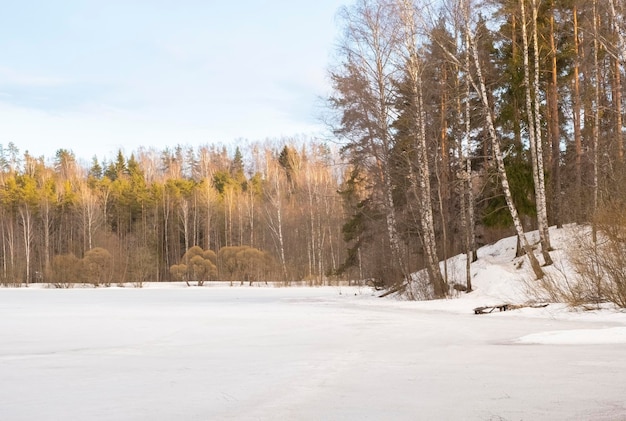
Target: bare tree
[
  {"x": 274, "y": 210},
  {"x": 534, "y": 129},
  {"x": 414, "y": 70},
  {"x": 596, "y": 125},
  {"x": 366, "y": 93},
  {"x": 481, "y": 90}
]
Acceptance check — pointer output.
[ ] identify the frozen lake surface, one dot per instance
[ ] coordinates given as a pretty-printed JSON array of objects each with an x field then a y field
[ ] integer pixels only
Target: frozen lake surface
[{"x": 218, "y": 353}]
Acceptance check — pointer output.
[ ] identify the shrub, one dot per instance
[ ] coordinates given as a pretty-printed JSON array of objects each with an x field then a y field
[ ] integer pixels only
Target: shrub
[
  {"x": 64, "y": 270},
  {"x": 98, "y": 266},
  {"x": 593, "y": 271}
]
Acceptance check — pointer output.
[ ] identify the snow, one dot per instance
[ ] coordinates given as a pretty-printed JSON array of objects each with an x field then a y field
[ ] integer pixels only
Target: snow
[
  {"x": 612, "y": 335},
  {"x": 167, "y": 352}
]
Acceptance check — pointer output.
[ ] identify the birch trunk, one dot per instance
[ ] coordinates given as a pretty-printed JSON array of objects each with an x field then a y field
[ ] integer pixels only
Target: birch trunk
[
  {"x": 617, "y": 89},
  {"x": 414, "y": 72},
  {"x": 596, "y": 125},
  {"x": 534, "y": 130},
  {"x": 4, "y": 251},
  {"x": 275, "y": 216},
  {"x": 10, "y": 232},
  {"x": 542, "y": 207},
  {"x": 183, "y": 216},
  {"x": 467, "y": 195},
  {"x": 27, "y": 231},
  {"x": 618, "y": 23},
  {"x": 481, "y": 89},
  {"x": 555, "y": 131}
]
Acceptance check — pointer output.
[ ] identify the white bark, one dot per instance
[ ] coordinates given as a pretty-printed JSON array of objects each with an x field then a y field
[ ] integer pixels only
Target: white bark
[
  {"x": 90, "y": 215},
  {"x": 27, "y": 230},
  {"x": 542, "y": 208},
  {"x": 596, "y": 126},
  {"x": 481, "y": 89},
  {"x": 534, "y": 130},
  {"x": 183, "y": 215},
  {"x": 275, "y": 214},
  {"x": 618, "y": 21},
  {"x": 414, "y": 71},
  {"x": 467, "y": 211}
]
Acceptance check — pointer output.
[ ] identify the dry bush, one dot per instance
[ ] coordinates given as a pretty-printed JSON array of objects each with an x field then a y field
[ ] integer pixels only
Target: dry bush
[
  {"x": 597, "y": 269},
  {"x": 143, "y": 265},
  {"x": 64, "y": 271},
  {"x": 245, "y": 264},
  {"x": 178, "y": 272},
  {"x": 200, "y": 265},
  {"x": 558, "y": 286},
  {"x": 456, "y": 282},
  {"x": 197, "y": 265},
  {"x": 98, "y": 267},
  {"x": 420, "y": 288}
]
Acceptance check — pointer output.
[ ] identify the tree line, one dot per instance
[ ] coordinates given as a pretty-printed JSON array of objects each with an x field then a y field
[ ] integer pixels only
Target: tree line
[
  {"x": 464, "y": 121},
  {"x": 175, "y": 215},
  {"x": 459, "y": 122}
]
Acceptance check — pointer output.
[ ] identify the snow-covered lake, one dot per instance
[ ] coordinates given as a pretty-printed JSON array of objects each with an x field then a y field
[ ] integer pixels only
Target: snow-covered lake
[{"x": 217, "y": 353}]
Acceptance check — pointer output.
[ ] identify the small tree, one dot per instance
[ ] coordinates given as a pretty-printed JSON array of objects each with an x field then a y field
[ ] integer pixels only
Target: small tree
[
  {"x": 98, "y": 266},
  {"x": 143, "y": 263},
  {"x": 64, "y": 270},
  {"x": 200, "y": 269},
  {"x": 255, "y": 264},
  {"x": 245, "y": 264},
  {"x": 179, "y": 272},
  {"x": 227, "y": 263},
  {"x": 197, "y": 265}
]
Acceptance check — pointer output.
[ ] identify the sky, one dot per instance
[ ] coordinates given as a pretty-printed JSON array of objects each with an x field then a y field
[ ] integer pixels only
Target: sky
[{"x": 98, "y": 76}]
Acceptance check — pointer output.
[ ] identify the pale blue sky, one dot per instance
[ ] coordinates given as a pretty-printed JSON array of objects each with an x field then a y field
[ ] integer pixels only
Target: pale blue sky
[{"x": 94, "y": 76}]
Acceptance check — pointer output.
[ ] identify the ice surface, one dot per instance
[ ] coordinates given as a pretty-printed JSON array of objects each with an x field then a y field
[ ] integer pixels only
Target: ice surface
[
  {"x": 613, "y": 335},
  {"x": 219, "y": 353},
  {"x": 167, "y": 352}
]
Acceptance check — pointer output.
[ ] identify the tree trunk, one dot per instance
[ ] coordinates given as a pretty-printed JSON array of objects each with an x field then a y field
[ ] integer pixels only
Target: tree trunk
[
  {"x": 534, "y": 132},
  {"x": 555, "y": 133},
  {"x": 414, "y": 71},
  {"x": 618, "y": 23},
  {"x": 481, "y": 89},
  {"x": 578, "y": 146},
  {"x": 27, "y": 230},
  {"x": 596, "y": 125},
  {"x": 542, "y": 207}
]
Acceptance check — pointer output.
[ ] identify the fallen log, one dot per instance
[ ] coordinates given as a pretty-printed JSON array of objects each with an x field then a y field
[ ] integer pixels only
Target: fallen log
[
  {"x": 490, "y": 309},
  {"x": 399, "y": 288},
  {"x": 505, "y": 307}
]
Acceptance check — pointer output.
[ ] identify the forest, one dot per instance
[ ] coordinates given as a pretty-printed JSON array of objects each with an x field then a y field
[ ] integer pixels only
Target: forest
[
  {"x": 176, "y": 215},
  {"x": 473, "y": 120},
  {"x": 451, "y": 127}
]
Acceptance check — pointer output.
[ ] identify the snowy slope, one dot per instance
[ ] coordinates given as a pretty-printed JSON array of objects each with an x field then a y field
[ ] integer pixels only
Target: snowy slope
[{"x": 498, "y": 276}]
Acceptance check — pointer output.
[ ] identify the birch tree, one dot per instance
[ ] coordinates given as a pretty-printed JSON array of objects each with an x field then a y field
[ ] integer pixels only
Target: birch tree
[
  {"x": 467, "y": 195},
  {"x": 274, "y": 211},
  {"x": 534, "y": 129},
  {"x": 596, "y": 125},
  {"x": 364, "y": 95},
  {"x": 480, "y": 87},
  {"x": 414, "y": 70}
]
